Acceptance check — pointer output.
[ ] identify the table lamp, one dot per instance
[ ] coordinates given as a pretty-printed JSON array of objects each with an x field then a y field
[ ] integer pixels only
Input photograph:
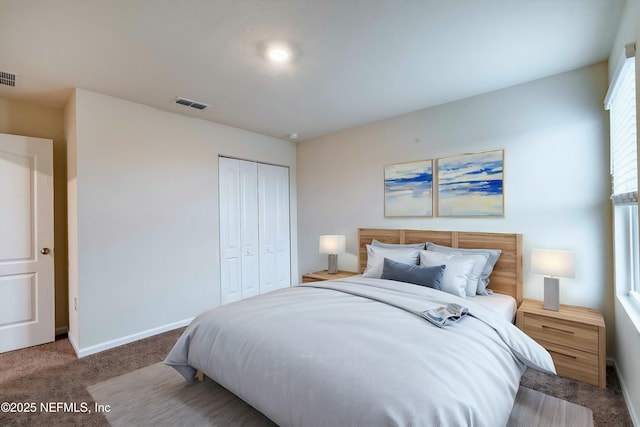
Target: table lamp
[
  {"x": 553, "y": 264},
  {"x": 332, "y": 244}
]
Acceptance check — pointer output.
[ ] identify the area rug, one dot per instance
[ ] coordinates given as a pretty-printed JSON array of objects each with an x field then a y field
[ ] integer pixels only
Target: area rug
[{"x": 158, "y": 396}]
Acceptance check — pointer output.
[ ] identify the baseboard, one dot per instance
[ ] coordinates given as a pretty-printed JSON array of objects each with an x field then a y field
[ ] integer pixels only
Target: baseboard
[
  {"x": 62, "y": 330},
  {"x": 82, "y": 352},
  {"x": 627, "y": 400},
  {"x": 74, "y": 344}
]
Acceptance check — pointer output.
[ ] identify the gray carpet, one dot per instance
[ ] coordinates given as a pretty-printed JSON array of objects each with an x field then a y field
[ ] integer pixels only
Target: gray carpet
[
  {"x": 51, "y": 372},
  {"x": 608, "y": 405},
  {"x": 158, "y": 396}
]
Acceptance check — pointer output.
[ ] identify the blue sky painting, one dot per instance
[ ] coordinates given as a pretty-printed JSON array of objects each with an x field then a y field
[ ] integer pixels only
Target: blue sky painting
[
  {"x": 408, "y": 189},
  {"x": 471, "y": 184}
]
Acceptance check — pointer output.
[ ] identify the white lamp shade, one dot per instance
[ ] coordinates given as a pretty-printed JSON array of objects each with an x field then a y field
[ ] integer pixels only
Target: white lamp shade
[
  {"x": 332, "y": 244},
  {"x": 553, "y": 263}
]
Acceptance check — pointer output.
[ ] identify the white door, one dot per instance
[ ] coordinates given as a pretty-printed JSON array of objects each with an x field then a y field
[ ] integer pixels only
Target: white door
[
  {"x": 249, "y": 228},
  {"x": 238, "y": 229},
  {"x": 273, "y": 199},
  {"x": 282, "y": 235},
  {"x": 26, "y": 242},
  {"x": 230, "y": 242}
]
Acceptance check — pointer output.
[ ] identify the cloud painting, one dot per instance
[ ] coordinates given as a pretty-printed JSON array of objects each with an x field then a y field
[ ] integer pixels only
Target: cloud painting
[
  {"x": 471, "y": 184},
  {"x": 408, "y": 189}
]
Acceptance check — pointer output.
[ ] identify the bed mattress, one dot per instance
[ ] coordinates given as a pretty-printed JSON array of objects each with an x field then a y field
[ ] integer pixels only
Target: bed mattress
[{"x": 505, "y": 305}]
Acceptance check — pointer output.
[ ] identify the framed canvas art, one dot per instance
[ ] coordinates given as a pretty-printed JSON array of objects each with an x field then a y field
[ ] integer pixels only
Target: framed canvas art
[
  {"x": 471, "y": 184},
  {"x": 408, "y": 189}
]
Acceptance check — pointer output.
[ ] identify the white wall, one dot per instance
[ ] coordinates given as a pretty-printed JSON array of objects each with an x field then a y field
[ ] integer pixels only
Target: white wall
[
  {"x": 554, "y": 133},
  {"x": 627, "y": 328},
  {"x": 147, "y": 215},
  {"x": 72, "y": 219}
]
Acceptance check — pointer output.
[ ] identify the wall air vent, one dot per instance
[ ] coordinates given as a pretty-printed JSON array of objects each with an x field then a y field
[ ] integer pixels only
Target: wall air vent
[
  {"x": 191, "y": 103},
  {"x": 7, "y": 79}
]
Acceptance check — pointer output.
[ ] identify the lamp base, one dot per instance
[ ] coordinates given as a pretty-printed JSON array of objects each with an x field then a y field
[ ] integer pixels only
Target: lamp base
[
  {"x": 333, "y": 264},
  {"x": 551, "y": 293}
]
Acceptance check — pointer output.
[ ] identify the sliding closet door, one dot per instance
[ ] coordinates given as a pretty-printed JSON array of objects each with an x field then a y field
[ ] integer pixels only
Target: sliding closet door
[
  {"x": 254, "y": 229},
  {"x": 282, "y": 239},
  {"x": 230, "y": 262},
  {"x": 273, "y": 199},
  {"x": 250, "y": 282},
  {"x": 238, "y": 229}
]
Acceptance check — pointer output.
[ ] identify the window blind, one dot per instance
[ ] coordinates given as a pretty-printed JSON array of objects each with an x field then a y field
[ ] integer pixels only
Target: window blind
[{"x": 621, "y": 103}]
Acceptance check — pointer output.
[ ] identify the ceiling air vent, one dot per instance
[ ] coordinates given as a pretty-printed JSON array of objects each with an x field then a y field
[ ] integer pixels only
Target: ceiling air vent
[
  {"x": 7, "y": 79},
  {"x": 191, "y": 103}
]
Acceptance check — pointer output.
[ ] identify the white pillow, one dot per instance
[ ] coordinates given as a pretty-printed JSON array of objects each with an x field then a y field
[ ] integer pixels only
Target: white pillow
[
  {"x": 493, "y": 255},
  {"x": 377, "y": 254},
  {"x": 375, "y": 242},
  {"x": 456, "y": 273},
  {"x": 479, "y": 262}
]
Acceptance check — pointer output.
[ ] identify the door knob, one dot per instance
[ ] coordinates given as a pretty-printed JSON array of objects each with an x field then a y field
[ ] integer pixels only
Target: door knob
[{"x": 45, "y": 251}]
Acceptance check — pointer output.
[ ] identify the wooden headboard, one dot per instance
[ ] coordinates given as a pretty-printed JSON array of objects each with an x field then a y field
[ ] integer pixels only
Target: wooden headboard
[{"x": 506, "y": 277}]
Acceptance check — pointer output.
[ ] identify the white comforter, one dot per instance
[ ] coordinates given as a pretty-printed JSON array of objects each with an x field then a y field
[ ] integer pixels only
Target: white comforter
[{"x": 317, "y": 355}]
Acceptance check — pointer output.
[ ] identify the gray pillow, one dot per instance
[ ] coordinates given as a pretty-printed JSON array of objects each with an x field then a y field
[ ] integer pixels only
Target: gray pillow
[
  {"x": 493, "y": 254},
  {"x": 374, "y": 242},
  {"x": 430, "y": 277}
]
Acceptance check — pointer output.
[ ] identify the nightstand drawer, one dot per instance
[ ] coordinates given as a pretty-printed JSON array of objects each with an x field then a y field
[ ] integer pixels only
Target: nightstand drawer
[
  {"x": 572, "y": 363},
  {"x": 562, "y": 332}
]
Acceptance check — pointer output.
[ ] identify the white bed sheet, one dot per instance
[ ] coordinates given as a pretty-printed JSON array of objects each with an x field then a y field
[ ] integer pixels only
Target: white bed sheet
[
  {"x": 503, "y": 304},
  {"x": 358, "y": 352}
]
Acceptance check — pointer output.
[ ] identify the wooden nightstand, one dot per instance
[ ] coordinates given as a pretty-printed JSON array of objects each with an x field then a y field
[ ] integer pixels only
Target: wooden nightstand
[
  {"x": 574, "y": 336},
  {"x": 319, "y": 276}
]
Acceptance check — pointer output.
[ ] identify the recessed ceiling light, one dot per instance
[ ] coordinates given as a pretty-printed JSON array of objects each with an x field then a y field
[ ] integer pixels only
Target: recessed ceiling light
[
  {"x": 293, "y": 135},
  {"x": 278, "y": 53}
]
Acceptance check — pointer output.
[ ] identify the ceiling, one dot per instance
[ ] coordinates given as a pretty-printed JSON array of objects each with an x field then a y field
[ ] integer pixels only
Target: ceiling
[{"x": 354, "y": 61}]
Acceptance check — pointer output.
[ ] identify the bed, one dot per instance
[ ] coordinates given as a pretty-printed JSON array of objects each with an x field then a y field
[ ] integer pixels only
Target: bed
[{"x": 359, "y": 352}]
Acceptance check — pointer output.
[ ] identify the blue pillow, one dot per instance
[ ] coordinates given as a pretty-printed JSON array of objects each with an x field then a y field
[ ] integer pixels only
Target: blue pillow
[{"x": 430, "y": 277}]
